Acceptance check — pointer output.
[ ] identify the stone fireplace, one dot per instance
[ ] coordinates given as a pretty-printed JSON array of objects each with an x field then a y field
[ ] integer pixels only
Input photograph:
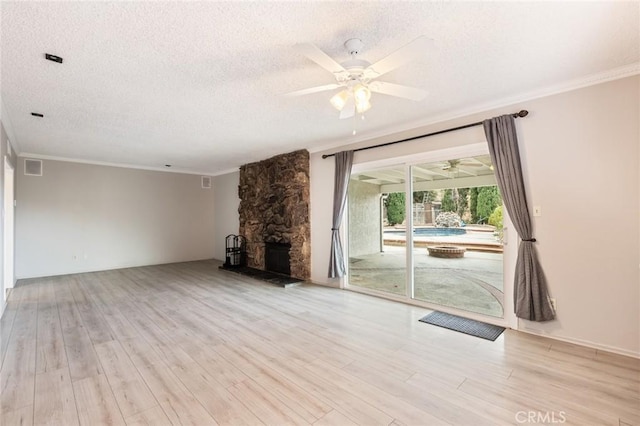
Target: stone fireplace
[{"x": 274, "y": 211}]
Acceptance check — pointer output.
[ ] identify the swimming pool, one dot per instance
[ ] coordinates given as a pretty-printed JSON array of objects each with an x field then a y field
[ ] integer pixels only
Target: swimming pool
[{"x": 431, "y": 232}]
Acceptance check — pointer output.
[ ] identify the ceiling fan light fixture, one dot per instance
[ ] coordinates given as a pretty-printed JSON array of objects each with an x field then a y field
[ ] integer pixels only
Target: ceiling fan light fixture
[
  {"x": 362, "y": 94},
  {"x": 339, "y": 100},
  {"x": 357, "y": 77},
  {"x": 363, "y": 107}
]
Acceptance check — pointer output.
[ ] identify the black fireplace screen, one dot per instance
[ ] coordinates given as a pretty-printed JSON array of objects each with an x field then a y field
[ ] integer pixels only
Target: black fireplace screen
[{"x": 276, "y": 258}]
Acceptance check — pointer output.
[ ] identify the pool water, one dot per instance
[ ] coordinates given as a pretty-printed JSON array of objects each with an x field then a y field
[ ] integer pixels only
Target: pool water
[{"x": 431, "y": 232}]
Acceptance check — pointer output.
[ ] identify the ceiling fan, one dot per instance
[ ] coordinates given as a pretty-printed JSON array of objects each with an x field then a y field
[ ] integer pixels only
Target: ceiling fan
[
  {"x": 452, "y": 165},
  {"x": 358, "y": 78}
]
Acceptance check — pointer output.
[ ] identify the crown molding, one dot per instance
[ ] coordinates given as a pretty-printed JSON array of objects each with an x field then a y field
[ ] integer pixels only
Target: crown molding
[
  {"x": 225, "y": 172},
  {"x": 591, "y": 80},
  {"x": 567, "y": 86},
  {"x": 119, "y": 165}
]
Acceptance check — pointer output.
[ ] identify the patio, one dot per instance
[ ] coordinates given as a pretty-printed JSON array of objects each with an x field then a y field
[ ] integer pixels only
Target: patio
[{"x": 473, "y": 283}]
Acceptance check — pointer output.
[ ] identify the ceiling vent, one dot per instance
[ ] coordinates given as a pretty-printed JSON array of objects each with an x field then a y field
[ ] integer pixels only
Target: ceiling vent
[
  {"x": 32, "y": 167},
  {"x": 206, "y": 182}
]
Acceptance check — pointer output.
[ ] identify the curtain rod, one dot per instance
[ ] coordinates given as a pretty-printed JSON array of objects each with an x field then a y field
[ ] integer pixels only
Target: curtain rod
[{"x": 520, "y": 114}]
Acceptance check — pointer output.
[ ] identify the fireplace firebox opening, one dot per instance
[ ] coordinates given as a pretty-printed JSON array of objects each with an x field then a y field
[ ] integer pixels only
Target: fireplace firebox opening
[{"x": 276, "y": 258}]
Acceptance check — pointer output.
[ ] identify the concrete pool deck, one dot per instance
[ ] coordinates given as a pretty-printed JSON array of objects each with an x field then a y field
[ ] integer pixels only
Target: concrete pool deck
[
  {"x": 476, "y": 239},
  {"x": 472, "y": 283}
]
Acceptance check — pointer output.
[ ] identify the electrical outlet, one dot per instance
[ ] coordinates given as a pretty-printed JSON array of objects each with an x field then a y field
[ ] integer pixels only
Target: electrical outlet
[{"x": 554, "y": 304}]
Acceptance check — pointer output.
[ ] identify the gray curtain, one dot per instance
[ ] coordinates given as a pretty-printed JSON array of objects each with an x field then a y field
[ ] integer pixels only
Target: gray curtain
[
  {"x": 344, "y": 161},
  {"x": 531, "y": 297}
]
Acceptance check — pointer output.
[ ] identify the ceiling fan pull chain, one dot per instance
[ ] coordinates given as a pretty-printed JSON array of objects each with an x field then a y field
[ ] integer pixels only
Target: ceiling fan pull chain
[{"x": 355, "y": 122}]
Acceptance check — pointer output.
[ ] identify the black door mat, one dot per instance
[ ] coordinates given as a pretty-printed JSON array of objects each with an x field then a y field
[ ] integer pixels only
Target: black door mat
[
  {"x": 270, "y": 277},
  {"x": 463, "y": 325}
]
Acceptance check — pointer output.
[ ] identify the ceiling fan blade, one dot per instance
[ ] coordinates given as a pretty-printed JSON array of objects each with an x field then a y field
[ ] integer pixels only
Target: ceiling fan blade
[
  {"x": 408, "y": 52},
  {"x": 349, "y": 109},
  {"x": 312, "y": 90},
  {"x": 398, "y": 90},
  {"x": 314, "y": 53}
]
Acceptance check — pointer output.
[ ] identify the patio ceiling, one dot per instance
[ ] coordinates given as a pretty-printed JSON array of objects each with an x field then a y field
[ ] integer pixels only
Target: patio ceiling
[{"x": 455, "y": 173}]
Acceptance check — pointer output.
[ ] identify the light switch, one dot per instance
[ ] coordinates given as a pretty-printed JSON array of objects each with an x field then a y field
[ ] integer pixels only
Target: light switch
[{"x": 537, "y": 211}]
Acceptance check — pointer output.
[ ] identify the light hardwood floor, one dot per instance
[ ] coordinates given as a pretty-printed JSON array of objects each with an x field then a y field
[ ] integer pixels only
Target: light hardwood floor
[{"x": 189, "y": 344}]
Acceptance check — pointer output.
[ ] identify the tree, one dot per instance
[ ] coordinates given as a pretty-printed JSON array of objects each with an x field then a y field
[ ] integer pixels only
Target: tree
[
  {"x": 463, "y": 201},
  {"x": 488, "y": 199},
  {"x": 395, "y": 208},
  {"x": 424, "y": 196},
  {"x": 448, "y": 203},
  {"x": 473, "y": 204}
]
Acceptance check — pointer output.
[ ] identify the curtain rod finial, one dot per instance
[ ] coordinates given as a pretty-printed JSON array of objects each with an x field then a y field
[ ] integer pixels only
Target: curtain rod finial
[{"x": 522, "y": 113}]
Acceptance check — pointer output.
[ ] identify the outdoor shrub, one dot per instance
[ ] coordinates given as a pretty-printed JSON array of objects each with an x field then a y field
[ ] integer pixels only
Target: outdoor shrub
[
  {"x": 473, "y": 204},
  {"x": 395, "y": 208},
  {"x": 488, "y": 199},
  {"x": 455, "y": 200},
  {"x": 496, "y": 218},
  {"x": 448, "y": 220},
  {"x": 463, "y": 201},
  {"x": 448, "y": 203}
]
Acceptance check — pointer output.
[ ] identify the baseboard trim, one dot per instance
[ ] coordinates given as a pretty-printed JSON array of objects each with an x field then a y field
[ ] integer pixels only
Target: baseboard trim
[
  {"x": 7, "y": 296},
  {"x": 110, "y": 268},
  {"x": 585, "y": 343},
  {"x": 330, "y": 285}
]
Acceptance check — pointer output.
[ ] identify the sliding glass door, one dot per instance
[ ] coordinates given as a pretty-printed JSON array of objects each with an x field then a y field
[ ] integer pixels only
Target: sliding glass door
[
  {"x": 457, "y": 250},
  {"x": 430, "y": 232},
  {"x": 377, "y": 251}
]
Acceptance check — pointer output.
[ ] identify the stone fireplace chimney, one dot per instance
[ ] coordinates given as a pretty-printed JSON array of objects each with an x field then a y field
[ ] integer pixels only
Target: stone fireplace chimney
[{"x": 274, "y": 208}]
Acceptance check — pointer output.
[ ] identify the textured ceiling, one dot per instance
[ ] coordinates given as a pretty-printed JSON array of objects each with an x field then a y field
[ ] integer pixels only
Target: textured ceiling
[{"x": 199, "y": 85}]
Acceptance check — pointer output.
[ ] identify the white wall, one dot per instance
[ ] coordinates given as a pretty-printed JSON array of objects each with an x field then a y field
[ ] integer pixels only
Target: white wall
[
  {"x": 4, "y": 144},
  {"x": 580, "y": 153},
  {"x": 226, "y": 200},
  {"x": 81, "y": 217},
  {"x": 581, "y": 150},
  {"x": 321, "y": 215}
]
